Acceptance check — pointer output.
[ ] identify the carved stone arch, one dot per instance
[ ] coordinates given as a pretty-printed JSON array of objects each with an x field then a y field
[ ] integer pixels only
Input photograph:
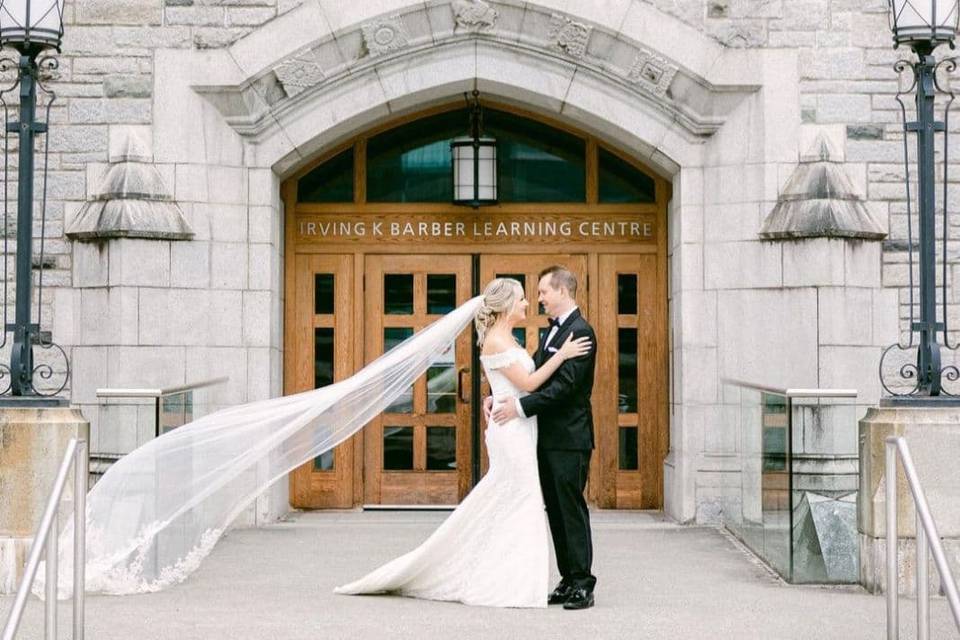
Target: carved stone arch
[{"x": 332, "y": 75}]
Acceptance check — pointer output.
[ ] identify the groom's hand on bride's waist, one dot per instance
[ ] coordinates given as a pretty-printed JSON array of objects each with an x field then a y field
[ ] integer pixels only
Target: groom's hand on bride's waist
[
  {"x": 505, "y": 411},
  {"x": 487, "y": 407}
]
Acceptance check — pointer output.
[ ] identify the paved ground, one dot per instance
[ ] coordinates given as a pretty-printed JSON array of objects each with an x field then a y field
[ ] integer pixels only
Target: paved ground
[{"x": 657, "y": 580}]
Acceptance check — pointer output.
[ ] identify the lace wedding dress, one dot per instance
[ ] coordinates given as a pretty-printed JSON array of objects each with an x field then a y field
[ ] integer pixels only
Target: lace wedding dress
[{"x": 492, "y": 550}]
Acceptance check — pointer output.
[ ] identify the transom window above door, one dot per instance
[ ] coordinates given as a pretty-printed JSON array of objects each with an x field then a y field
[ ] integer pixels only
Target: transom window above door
[{"x": 537, "y": 162}]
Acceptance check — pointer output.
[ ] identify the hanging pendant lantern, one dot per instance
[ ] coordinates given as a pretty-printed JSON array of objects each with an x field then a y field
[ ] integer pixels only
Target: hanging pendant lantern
[{"x": 474, "y": 163}]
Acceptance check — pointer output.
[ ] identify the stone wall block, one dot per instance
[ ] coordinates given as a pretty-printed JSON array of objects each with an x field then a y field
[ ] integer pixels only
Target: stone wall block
[
  {"x": 111, "y": 12},
  {"x": 228, "y": 265},
  {"x": 190, "y": 264},
  {"x": 737, "y": 265},
  {"x": 813, "y": 262},
  {"x": 845, "y": 316},
  {"x": 139, "y": 262}
]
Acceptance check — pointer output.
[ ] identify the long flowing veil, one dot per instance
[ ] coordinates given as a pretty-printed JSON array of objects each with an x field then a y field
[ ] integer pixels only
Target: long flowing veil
[{"x": 159, "y": 510}]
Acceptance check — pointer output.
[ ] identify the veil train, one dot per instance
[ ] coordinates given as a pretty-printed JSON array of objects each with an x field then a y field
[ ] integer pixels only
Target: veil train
[{"x": 158, "y": 511}]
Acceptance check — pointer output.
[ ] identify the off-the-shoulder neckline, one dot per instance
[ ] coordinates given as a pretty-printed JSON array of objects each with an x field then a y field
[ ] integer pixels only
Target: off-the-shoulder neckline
[{"x": 500, "y": 353}]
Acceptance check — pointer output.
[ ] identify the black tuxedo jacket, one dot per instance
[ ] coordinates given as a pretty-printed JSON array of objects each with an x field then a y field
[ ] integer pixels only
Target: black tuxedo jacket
[{"x": 562, "y": 403}]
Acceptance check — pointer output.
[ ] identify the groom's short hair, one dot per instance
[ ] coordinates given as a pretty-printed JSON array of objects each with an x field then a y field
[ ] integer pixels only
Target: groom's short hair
[{"x": 560, "y": 276}]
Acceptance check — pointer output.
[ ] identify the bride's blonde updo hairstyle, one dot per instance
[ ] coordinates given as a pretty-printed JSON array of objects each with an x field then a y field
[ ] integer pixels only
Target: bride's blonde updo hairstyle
[{"x": 498, "y": 299}]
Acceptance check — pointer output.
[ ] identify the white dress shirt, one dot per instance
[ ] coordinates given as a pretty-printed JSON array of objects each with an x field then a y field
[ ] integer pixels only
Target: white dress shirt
[{"x": 553, "y": 331}]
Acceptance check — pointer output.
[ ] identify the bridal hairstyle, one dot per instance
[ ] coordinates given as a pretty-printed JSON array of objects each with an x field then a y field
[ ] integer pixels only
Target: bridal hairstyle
[{"x": 498, "y": 298}]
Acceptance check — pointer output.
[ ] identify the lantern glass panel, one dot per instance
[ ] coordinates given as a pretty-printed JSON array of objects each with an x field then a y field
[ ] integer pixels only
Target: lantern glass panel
[
  {"x": 38, "y": 21},
  {"x": 924, "y": 20}
]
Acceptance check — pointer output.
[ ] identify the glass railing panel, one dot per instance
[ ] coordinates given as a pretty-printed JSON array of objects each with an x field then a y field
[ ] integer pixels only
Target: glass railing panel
[
  {"x": 789, "y": 487},
  {"x": 826, "y": 472}
]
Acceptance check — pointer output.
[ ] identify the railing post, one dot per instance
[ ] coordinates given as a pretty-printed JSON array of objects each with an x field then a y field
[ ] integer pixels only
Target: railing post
[
  {"x": 890, "y": 472},
  {"x": 50, "y": 603},
  {"x": 80, "y": 480},
  {"x": 923, "y": 589}
]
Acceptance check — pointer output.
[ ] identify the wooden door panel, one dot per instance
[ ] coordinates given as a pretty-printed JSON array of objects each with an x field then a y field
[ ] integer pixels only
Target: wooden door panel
[
  {"x": 321, "y": 353},
  {"x": 631, "y": 409},
  {"x": 407, "y": 449}
]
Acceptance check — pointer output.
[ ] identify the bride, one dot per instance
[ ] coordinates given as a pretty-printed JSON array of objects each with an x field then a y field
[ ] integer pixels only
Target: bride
[
  {"x": 492, "y": 550},
  {"x": 155, "y": 515}
]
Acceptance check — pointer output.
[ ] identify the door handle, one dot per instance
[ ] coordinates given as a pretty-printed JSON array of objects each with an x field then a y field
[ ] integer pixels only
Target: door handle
[{"x": 460, "y": 386}]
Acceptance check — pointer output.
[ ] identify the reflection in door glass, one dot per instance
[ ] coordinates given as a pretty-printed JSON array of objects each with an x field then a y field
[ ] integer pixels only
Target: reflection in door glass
[
  {"x": 398, "y": 293},
  {"x": 441, "y": 449},
  {"x": 323, "y": 293},
  {"x": 626, "y": 293},
  {"x": 442, "y": 389},
  {"x": 392, "y": 336},
  {"x": 322, "y": 376},
  {"x": 441, "y": 293},
  {"x": 628, "y": 449},
  {"x": 397, "y": 448},
  {"x": 627, "y": 374}
]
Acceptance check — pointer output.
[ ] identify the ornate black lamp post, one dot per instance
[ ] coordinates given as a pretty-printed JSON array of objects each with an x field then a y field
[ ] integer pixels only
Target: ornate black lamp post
[
  {"x": 923, "y": 25},
  {"x": 474, "y": 163},
  {"x": 33, "y": 28}
]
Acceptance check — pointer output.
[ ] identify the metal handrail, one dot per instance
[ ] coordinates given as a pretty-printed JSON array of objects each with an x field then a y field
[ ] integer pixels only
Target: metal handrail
[
  {"x": 927, "y": 540},
  {"x": 159, "y": 393},
  {"x": 794, "y": 392},
  {"x": 47, "y": 538}
]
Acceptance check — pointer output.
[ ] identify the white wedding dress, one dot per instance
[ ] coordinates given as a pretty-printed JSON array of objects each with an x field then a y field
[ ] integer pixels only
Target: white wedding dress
[{"x": 492, "y": 550}]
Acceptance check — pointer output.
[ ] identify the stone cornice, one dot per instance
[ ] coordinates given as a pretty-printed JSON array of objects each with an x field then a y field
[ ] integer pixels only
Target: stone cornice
[{"x": 257, "y": 103}]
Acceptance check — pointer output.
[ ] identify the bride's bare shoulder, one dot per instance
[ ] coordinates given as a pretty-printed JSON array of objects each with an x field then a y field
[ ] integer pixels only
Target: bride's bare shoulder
[{"x": 494, "y": 343}]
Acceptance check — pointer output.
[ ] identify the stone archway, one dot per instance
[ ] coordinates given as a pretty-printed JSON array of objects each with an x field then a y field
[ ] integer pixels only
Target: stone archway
[{"x": 255, "y": 112}]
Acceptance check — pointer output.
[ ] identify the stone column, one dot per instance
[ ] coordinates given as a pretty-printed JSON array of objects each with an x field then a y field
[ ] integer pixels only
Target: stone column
[
  {"x": 933, "y": 435},
  {"x": 32, "y": 443}
]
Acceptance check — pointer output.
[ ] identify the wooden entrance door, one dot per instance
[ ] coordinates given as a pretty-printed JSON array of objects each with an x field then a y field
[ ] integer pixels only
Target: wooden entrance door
[
  {"x": 418, "y": 451},
  {"x": 322, "y": 339},
  {"x": 630, "y": 407},
  {"x": 526, "y": 269}
]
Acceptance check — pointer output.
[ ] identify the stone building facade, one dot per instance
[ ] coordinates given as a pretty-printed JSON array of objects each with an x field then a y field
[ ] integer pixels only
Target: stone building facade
[{"x": 724, "y": 100}]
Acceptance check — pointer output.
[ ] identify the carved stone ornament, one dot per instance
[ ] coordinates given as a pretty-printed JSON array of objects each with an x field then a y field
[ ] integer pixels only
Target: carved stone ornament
[
  {"x": 568, "y": 36},
  {"x": 652, "y": 72},
  {"x": 300, "y": 72},
  {"x": 384, "y": 35},
  {"x": 474, "y": 15}
]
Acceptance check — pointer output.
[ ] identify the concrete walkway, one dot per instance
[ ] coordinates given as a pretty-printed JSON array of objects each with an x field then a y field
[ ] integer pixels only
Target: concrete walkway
[{"x": 656, "y": 580}]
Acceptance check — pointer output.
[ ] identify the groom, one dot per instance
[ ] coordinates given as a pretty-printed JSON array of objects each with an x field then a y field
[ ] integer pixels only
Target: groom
[{"x": 565, "y": 441}]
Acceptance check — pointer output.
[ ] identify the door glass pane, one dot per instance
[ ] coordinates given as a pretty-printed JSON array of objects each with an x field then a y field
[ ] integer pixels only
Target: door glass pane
[
  {"x": 520, "y": 334},
  {"x": 442, "y": 382},
  {"x": 627, "y": 293},
  {"x": 620, "y": 181},
  {"x": 442, "y": 449},
  {"x": 392, "y": 336},
  {"x": 627, "y": 374},
  {"x": 322, "y": 376},
  {"x": 332, "y": 181},
  {"x": 324, "y": 461},
  {"x": 398, "y": 293},
  {"x": 322, "y": 357},
  {"x": 397, "y": 448},
  {"x": 323, "y": 293},
  {"x": 628, "y": 449},
  {"x": 441, "y": 293}
]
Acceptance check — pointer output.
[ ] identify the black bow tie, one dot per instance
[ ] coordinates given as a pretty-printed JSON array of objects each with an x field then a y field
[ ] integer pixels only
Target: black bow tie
[{"x": 554, "y": 322}]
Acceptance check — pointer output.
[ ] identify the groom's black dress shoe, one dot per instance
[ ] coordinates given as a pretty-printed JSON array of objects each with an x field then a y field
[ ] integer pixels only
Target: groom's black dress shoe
[
  {"x": 579, "y": 599},
  {"x": 560, "y": 594}
]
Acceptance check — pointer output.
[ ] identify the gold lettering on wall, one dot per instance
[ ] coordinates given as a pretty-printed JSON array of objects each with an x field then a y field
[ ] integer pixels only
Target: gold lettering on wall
[{"x": 477, "y": 228}]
